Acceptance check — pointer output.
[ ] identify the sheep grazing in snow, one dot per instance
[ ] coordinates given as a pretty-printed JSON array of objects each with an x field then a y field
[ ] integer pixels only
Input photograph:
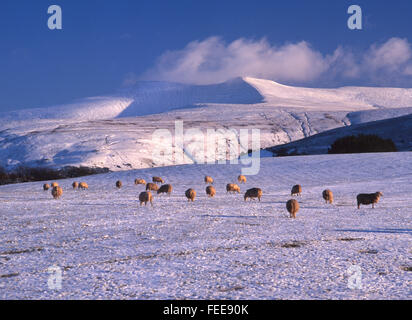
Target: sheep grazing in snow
[
  {"x": 166, "y": 188},
  {"x": 253, "y": 193},
  {"x": 139, "y": 181},
  {"x": 158, "y": 180},
  {"x": 152, "y": 187},
  {"x": 190, "y": 194},
  {"x": 296, "y": 190},
  {"x": 57, "y": 192},
  {"x": 54, "y": 184},
  {"x": 368, "y": 198},
  {"x": 75, "y": 185},
  {"x": 328, "y": 196},
  {"x": 46, "y": 187},
  {"x": 210, "y": 191},
  {"x": 208, "y": 180},
  {"x": 232, "y": 188},
  {"x": 241, "y": 179},
  {"x": 83, "y": 185},
  {"x": 293, "y": 207},
  {"x": 118, "y": 184},
  {"x": 145, "y": 197}
]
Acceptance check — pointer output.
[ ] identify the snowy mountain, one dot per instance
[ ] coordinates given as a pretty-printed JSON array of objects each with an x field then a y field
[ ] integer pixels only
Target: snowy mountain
[
  {"x": 117, "y": 131},
  {"x": 399, "y": 130}
]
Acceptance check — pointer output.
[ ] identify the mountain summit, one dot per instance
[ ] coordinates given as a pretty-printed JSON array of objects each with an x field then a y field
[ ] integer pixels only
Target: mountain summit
[{"x": 116, "y": 131}]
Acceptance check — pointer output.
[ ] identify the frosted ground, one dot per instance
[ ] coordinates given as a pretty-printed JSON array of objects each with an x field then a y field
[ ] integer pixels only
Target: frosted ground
[{"x": 221, "y": 248}]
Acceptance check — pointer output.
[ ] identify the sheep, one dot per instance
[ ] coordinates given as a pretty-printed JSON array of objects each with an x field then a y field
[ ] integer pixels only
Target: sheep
[
  {"x": 328, "y": 196},
  {"x": 46, "y": 187},
  {"x": 166, "y": 188},
  {"x": 158, "y": 180},
  {"x": 210, "y": 191},
  {"x": 293, "y": 207},
  {"x": 83, "y": 185},
  {"x": 253, "y": 193},
  {"x": 232, "y": 188},
  {"x": 152, "y": 187},
  {"x": 118, "y": 184},
  {"x": 241, "y": 179},
  {"x": 208, "y": 180},
  {"x": 57, "y": 192},
  {"x": 296, "y": 190},
  {"x": 190, "y": 194},
  {"x": 145, "y": 197},
  {"x": 139, "y": 181},
  {"x": 75, "y": 185},
  {"x": 54, "y": 184},
  {"x": 368, "y": 198}
]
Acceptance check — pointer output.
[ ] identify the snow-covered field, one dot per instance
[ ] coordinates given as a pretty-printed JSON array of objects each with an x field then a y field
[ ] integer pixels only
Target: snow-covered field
[{"x": 109, "y": 247}]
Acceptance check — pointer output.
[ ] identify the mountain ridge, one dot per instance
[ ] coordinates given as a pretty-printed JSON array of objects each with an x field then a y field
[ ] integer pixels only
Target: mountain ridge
[{"x": 116, "y": 131}]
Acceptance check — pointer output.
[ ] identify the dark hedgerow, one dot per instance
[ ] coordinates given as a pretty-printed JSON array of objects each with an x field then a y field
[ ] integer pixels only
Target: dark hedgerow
[
  {"x": 29, "y": 174},
  {"x": 362, "y": 144}
]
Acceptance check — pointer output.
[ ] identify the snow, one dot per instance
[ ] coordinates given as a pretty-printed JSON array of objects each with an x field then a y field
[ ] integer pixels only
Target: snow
[
  {"x": 116, "y": 131},
  {"x": 399, "y": 130},
  {"x": 346, "y": 98},
  {"x": 107, "y": 246}
]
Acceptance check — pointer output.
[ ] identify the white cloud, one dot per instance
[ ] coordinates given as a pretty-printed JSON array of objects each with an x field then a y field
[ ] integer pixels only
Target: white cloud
[
  {"x": 213, "y": 60},
  {"x": 392, "y": 55}
]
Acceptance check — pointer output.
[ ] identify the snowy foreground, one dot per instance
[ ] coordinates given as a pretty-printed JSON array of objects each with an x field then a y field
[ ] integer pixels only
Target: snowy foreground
[{"x": 221, "y": 248}]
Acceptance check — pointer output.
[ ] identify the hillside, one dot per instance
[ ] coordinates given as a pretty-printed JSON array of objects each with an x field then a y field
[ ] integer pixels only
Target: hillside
[
  {"x": 116, "y": 131},
  {"x": 399, "y": 130}
]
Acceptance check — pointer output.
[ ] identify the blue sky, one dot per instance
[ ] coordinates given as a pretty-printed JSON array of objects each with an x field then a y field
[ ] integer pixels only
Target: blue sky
[{"x": 105, "y": 45}]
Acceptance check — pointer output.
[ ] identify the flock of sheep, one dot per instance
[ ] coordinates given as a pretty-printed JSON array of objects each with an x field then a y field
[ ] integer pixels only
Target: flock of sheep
[{"x": 292, "y": 205}]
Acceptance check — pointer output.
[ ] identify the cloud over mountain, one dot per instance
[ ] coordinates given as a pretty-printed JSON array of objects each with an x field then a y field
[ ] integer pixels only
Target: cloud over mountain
[{"x": 212, "y": 60}]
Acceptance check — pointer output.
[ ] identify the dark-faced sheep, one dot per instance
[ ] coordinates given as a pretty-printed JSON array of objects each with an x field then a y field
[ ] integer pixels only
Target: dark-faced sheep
[
  {"x": 119, "y": 184},
  {"x": 139, "y": 181},
  {"x": 152, "y": 186},
  {"x": 210, "y": 191},
  {"x": 190, "y": 194},
  {"x": 46, "y": 187},
  {"x": 57, "y": 192},
  {"x": 253, "y": 193},
  {"x": 75, "y": 185},
  {"x": 296, "y": 190},
  {"x": 54, "y": 184},
  {"x": 158, "y": 180},
  {"x": 145, "y": 197},
  {"x": 208, "y": 180},
  {"x": 327, "y": 196},
  {"x": 293, "y": 207},
  {"x": 83, "y": 185},
  {"x": 166, "y": 188},
  {"x": 368, "y": 198},
  {"x": 232, "y": 188},
  {"x": 241, "y": 179}
]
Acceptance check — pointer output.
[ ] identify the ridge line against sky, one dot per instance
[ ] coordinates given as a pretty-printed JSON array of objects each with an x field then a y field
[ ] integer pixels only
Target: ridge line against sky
[{"x": 106, "y": 45}]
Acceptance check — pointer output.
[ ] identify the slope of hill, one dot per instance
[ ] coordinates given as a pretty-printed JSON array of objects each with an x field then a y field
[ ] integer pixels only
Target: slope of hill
[
  {"x": 116, "y": 131},
  {"x": 108, "y": 247},
  {"x": 399, "y": 130}
]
